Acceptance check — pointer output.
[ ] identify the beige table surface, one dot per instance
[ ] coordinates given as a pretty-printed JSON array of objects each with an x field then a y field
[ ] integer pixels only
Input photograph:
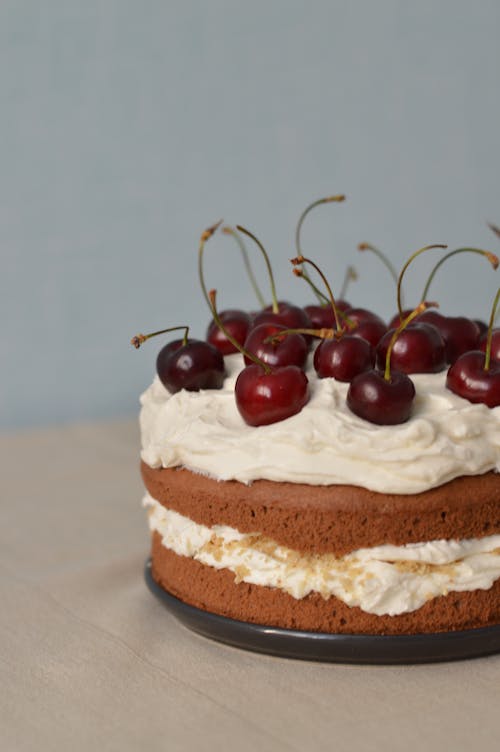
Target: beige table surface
[{"x": 90, "y": 660}]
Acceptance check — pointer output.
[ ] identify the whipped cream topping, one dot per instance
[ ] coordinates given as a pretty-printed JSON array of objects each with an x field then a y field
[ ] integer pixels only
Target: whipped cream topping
[
  {"x": 381, "y": 580},
  {"x": 325, "y": 443}
]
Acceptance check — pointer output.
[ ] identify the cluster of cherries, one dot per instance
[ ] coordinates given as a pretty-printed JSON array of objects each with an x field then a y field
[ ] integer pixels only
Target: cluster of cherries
[{"x": 355, "y": 346}]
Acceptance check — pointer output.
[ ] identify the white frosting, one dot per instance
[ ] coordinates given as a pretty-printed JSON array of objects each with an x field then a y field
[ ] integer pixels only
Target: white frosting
[
  {"x": 325, "y": 443},
  {"x": 382, "y": 580}
]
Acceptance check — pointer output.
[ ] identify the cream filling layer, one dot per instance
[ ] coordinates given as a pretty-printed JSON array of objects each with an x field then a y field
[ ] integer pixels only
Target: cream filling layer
[
  {"x": 381, "y": 580},
  {"x": 325, "y": 443}
]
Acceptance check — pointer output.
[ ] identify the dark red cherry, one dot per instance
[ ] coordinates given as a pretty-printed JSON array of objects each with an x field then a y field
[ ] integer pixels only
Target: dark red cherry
[
  {"x": 362, "y": 315},
  {"x": 237, "y": 324},
  {"x": 382, "y": 401},
  {"x": 342, "y": 305},
  {"x": 432, "y": 317},
  {"x": 483, "y": 327},
  {"x": 495, "y": 344},
  {"x": 264, "y": 398},
  {"x": 467, "y": 378},
  {"x": 289, "y": 350},
  {"x": 397, "y": 320},
  {"x": 289, "y": 316},
  {"x": 169, "y": 349},
  {"x": 369, "y": 326},
  {"x": 321, "y": 317},
  {"x": 371, "y": 331},
  {"x": 193, "y": 366},
  {"x": 418, "y": 349},
  {"x": 344, "y": 358},
  {"x": 460, "y": 334}
]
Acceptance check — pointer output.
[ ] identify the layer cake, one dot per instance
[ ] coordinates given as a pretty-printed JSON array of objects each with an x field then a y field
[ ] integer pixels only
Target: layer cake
[{"x": 325, "y": 522}]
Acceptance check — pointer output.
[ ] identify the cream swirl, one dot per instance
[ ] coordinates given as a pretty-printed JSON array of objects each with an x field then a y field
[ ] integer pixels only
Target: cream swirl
[{"x": 325, "y": 443}]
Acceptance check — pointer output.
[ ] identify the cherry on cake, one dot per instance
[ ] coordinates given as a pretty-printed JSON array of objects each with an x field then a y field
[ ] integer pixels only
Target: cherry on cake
[{"x": 299, "y": 480}]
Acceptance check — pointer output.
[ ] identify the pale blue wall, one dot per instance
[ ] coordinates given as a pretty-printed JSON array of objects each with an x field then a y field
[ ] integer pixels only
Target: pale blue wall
[{"x": 128, "y": 126}]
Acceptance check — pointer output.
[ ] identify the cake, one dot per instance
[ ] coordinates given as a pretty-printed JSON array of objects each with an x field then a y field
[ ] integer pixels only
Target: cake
[
  {"x": 354, "y": 490},
  {"x": 323, "y": 521}
]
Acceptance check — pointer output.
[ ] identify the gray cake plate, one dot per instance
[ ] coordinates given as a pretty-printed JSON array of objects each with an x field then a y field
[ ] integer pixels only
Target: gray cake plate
[{"x": 330, "y": 648}]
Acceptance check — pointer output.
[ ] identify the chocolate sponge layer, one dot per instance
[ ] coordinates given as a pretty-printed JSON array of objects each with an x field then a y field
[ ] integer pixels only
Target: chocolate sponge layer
[
  {"x": 332, "y": 519},
  {"x": 215, "y": 590}
]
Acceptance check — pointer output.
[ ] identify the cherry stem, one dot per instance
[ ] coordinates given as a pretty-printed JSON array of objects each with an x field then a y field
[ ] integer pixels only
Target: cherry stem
[
  {"x": 212, "y": 295},
  {"x": 494, "y": 229},
  {"x": 139, "y": 339},
  {"x": 382, "y": 257},
  {"x": 326, "y": 200},
  {"x": 490, "y": 256},
  {"x": 298, "y": 247},
  {"x": 299, "y": 272},
  {"x": 322, "y": 299},
  {"x": 405, "y": 267},
  {"x": 275, "y": 306},
  {"x": 230, "y": 231},
  {"x": 416, "y": 312},
  {"x": 211, "y": 300},
  {"x": 350, "y": 323},
  {"x": 487, "y": 356},
  {"x": 322, "y": 333},
  {"x": 350, "y": 275},
  {"x": 205, "y": 235}
]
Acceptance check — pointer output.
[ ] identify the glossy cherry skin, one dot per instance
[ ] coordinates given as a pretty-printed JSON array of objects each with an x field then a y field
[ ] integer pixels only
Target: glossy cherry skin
[
  {"x": 362, "y": 315},
  {"x": 344, "y": 358},
  {"x": 193, "y": 366},
  {"x": 291, "y": 350},
  {"x": 237, "y": 323},
  {"x": 263, "y": 398},
  {"x": 418, "y": 349},
  {"x": 467, "y": 378},
  {"x": 386, "y": 403},
  {"x": 369, "y": 326},
  {"x": 321, "y": 317},
  {"x": 459, "y": 333},
  {"x": 495, "y": 344},
  {"x": 371, "y": 331},
  {"x": 289, "y": 316},
  {"x": 462, "y": 336},
  {"x": 397, "y": 320}
]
